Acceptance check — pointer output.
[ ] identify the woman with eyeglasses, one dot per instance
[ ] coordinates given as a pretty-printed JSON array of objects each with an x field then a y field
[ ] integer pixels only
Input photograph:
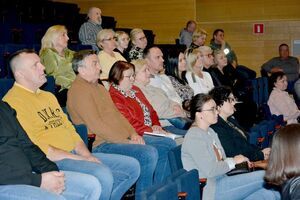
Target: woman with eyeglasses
[
  {"x": 202, "y": 150},
  {"x": 122, "y": 40},
  {"x": 107, "y": 56},
  {"x": 132, "y": 103},
  {"x": 138, "y": 44},
  {"x": 198, "y": 79},
  {"x": 57, "y": 59},
  {"x": 233, "y": 137}
]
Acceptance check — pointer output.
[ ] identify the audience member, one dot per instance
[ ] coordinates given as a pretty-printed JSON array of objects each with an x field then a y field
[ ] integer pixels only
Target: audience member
[
  {"x": 132, "y": 103},
  {"x": 207, "y": 56},
  {"x": 218, "y": 71},
  {"x": 57, "y": 58},
  {"x": 138, "y": 44},
  {"x": 283, "y": 168},
  {"x": 89, "y": 103},
  {"x": 232, "y": 136},
  {"x": 199, "y": 80},
  {"x": 280, "y": 102},
  {"x": 49, "y": 128},
  {"x": 122, "y": 40},
  {"x": 186, "y": 34},
  {"x": 88, "y": 30},
  {"x": 176, "y": 70},
  {"x": 198, "y": 39},
  {"x": 167, "y": 110},
  {"x": 107, "y": 57},
  {"x": 218, "y": 43},
  {"x": 202, "y": 150},
  {"x": 26, "y": 172},
  {"x": 155, "y": 61},
  {"x": 286, "y": 63}
]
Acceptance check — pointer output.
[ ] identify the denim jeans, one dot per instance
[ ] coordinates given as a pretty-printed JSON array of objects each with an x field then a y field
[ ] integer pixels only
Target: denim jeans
[
  {"x": 175, "y": 130},
  {"x": 145, "y": 154},
  {"x": 115, "y": 173},
  {"x": 77, "y": 187},
  {"x": 163, "y": 146},
  {"x": 244, "y": 186}
]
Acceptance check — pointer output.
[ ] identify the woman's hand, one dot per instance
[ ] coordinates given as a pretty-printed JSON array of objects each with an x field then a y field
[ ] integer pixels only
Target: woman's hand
[
  {"x": 266, "y": 153},
  {"x": 239, "y": 159},
  {"x": 157, "y": 128}
]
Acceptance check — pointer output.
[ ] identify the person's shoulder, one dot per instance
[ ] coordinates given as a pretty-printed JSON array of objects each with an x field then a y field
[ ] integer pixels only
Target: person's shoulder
[{"x": 47, "y": 51}]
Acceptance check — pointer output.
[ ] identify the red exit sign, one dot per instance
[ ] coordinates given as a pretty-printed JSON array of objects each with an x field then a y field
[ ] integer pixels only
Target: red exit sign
[{"x": 258, "y": 28}]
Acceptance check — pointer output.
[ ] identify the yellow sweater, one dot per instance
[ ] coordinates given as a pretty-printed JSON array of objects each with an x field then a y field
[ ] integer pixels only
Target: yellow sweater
[{"x": 42, "y": 118}]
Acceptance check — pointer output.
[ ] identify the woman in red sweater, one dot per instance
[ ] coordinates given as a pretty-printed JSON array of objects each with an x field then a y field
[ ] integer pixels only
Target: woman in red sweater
[{"x": 132, "y": 103}]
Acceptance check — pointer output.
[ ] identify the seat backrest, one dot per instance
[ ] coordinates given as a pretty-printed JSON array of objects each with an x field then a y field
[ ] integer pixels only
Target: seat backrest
[
  {"x": 160, "y": 191},
  {"x": 174, "y": 156},
  {"x": 187, "y": 181},
  {"x": 5, "y": 85}
]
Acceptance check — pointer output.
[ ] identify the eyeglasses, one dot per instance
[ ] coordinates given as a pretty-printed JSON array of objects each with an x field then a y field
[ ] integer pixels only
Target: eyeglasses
[
  {"x": 209, "y": 55},
  {"x": 109, "y": 39},
  {"x": 142, "y": 38},
  {"x": 129, "y": 76},
  {"x": 232, "y": 99},
  {"x": 213, "y": 109}
]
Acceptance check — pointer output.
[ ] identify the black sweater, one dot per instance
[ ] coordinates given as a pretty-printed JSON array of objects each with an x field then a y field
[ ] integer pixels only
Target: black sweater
[
  {"x": 19, "y": 157},
  {"x": 234, "y": 143}
]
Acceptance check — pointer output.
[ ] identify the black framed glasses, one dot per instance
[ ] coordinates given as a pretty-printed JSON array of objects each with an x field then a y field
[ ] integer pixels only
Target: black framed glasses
[{"x": 213, "y": 109}]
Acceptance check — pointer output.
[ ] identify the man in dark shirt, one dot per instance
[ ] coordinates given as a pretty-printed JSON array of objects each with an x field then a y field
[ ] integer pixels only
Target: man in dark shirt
[
  {"x": 26, "y": 172},
  {"x": 284, "y": 62}
]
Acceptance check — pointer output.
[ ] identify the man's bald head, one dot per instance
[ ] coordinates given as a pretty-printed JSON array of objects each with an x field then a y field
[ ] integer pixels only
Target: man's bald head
[{"x": 94, "y": 15}]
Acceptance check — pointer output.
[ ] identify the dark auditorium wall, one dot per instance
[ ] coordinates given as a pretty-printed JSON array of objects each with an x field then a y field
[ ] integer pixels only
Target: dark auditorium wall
[{"x": 166, "y": 17}]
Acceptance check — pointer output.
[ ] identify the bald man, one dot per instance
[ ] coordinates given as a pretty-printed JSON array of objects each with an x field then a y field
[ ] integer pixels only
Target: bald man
[{"x": 88, "y": 30}]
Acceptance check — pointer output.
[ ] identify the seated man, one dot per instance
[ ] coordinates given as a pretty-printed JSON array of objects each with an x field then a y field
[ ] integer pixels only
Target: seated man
[
  {"x": 48, "y": 127},
  {"x": 26, "y": 173},
  {"x": 89, "y": 103},
  {"x": 155, "y": 61},
  {"x": 186, "y": 34},
  {"x": 286, "y": 63},
  {"x": 88, "y": 30}
]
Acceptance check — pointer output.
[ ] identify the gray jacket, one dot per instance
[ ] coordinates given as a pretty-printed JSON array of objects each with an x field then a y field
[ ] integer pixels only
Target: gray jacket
[{"x": 198, "y": 153}]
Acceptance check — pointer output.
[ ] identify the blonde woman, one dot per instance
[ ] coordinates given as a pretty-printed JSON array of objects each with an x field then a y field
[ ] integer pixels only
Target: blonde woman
[
  {"x": 198, "y": 39},
  {"x": 107, "y": 56},
  {"x": 122, "y": 39},
  {"x": 200, "y": 81},
  {"x": 57, "y": 59},
  {"x": 139, "y": 43}
]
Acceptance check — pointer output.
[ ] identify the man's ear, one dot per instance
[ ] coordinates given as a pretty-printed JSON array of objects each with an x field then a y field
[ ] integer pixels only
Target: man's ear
[
  {"x": 81, "y": 70},
  {"x": 18, "y": 74}
]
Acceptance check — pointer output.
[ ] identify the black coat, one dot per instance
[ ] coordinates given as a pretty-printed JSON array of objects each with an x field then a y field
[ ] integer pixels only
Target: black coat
[
  {"x": 291, "y": 189},
  {"x": 233, "y": 142},
  {"x": 19, "y": 157}
]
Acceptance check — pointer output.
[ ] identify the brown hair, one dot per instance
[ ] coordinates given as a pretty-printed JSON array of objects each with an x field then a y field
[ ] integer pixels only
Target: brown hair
[
  {"x": 284, "y": 159},
  {"x": 116, "y": 72}
]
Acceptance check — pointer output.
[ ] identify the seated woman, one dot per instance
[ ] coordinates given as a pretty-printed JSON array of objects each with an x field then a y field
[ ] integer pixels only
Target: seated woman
[
  {"x": 138, "y": 44},
  {"x": 167, "y": 110},
  {"x": 122, "y": 40},
  {"x": 198, "y": 39},
  {"x": 200, "y": 81},
  {"x": 57, "y": 59},
  {"x": 283, "y": 168},
  {"x": 107, "y": 56},
  {"x": 280, "y": 102},
  {"x": 218, "y": 73},
  {"x": 176, "y": 70},
  {"x": 207, "y": 57},
  {"x": 132, "y": 103},
  {"x": 202, "y": 150},
  {"x": 231, "y": 135}
]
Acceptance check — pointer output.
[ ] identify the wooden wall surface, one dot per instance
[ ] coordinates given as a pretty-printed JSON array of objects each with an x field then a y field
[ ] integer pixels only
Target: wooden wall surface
[{"x": 236, "y": 17}]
